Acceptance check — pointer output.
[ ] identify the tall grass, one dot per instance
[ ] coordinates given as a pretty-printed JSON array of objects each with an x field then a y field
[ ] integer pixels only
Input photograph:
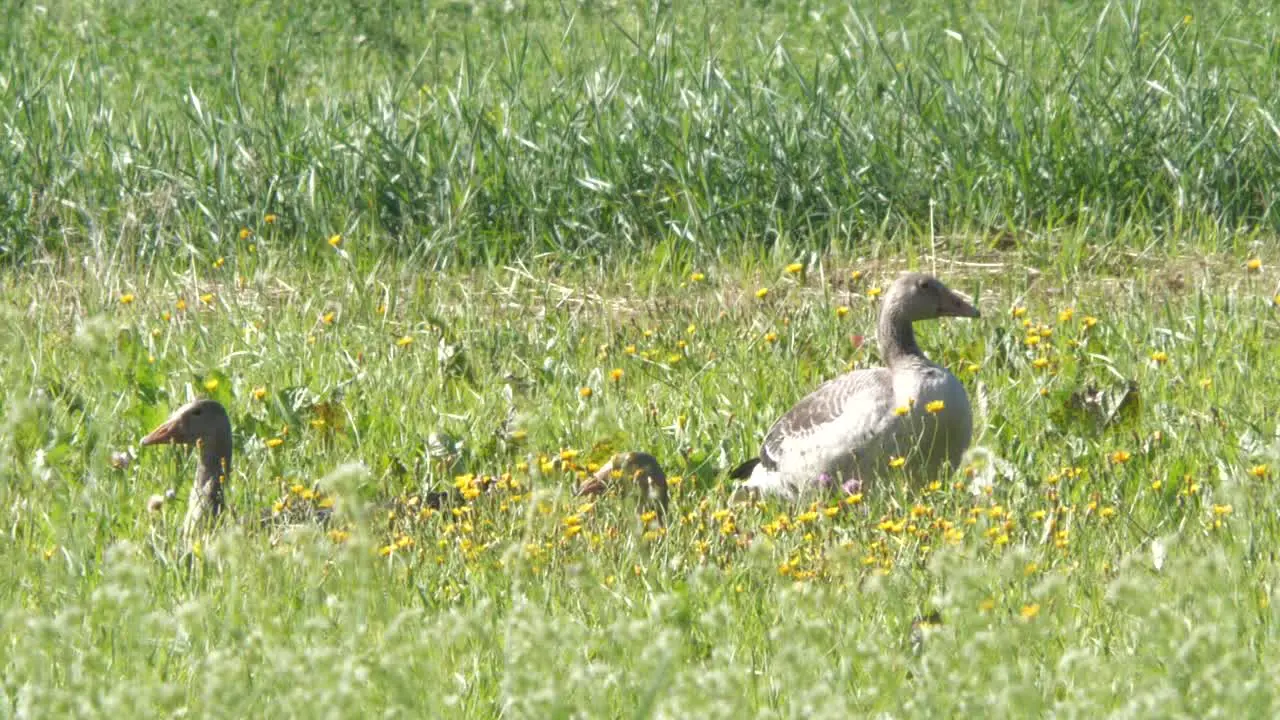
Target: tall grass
[{"x": 478, "y": 133}]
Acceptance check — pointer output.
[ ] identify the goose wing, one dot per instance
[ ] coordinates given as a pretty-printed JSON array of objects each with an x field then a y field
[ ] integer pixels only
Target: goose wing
[{"x": 841, "y": 417}]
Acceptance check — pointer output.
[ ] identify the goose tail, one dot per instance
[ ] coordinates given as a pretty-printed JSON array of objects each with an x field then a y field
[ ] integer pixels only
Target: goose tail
[{"x": 743, "y": 471}]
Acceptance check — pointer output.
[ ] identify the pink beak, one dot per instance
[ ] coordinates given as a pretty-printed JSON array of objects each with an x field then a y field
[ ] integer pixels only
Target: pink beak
[
  {"x": 956, "y": 305},
  {"x": 598, "y": 482},
  {"x": 165, "y": 433}
]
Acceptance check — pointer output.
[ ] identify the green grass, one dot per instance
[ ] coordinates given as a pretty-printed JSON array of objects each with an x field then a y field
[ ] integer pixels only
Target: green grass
[
  {"x": 522, "y": 197},
  {"x": 497, "y": 611}
]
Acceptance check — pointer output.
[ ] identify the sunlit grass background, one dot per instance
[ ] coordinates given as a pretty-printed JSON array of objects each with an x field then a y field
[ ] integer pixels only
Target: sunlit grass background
[{"x": 431, "y": 249}]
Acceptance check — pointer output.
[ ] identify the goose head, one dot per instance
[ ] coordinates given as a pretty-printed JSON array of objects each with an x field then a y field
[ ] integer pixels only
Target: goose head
[
  {"x": 204, "y": 424},
  {"x": 917, "y": 296},
  {"x": 912, "y": 297}
]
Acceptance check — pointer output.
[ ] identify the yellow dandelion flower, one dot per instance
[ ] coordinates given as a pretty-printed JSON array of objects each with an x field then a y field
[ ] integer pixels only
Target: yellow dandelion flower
[
  {"x": 259, "y": 392},
  {"x": 270, "y": 218},
  {"x": 973, "y": 367},
  {"x": 1066, "y": 315},
  {"x": 219, "y": 262},
  {"x": 1032, "y": 340},
  {"x": 317, "y": 423},
  {"x": 335, "y": 240},
  {"x": 795, "y": 268},
  {"x": 698, "y": 277},
  {"x": 615, "y": 374},
  {"x": 1119, "y": 457},
  {"x": 1160, "y": 357},
  {"x": 405, "y": 341},
  {"x": 842, "y": 311},
  {"x": 854, "y": 499},
  {"x": 571, "y": 531},
  {"x": 630, "y": 349},
  {"x": 339, "y": 536},
  {"x": 328, "y": 317},
  {"x": 165, "y": 316},
  {"x": 1018, "y": 311},
  {"x": 874, "y": 292},
  {"x": 762, "y": 293},
  {"x": 935, "y": 407},
  {"x": 180, "y": 305},
  {"x": 901, "y": 410},
  {"x": 127, "y": 298},
  {"x": 1029, "y": 612},
  {"x": 211, "y": 384},
  {"x": 1254, "y": 264},
  {"x": 245, "y": 233},
  {"x": 1089, "y": 321},
  {"x": 1222, "y": 510},
  {"x": 274, "y": 442},
  {"x": 897, "y": 461},
  {"x": 1259, "y": 471},
  {"x": 584, "y": 392},
  {"x": 206, "y": 298},
  {"x": 1040, "y": 363},
  {"x": 771, "y": 338}
]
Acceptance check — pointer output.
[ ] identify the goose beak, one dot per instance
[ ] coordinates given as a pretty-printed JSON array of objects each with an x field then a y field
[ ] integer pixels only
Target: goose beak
[
  {"x": 165, "y": 433},
  {"x": 953, "y": 304}
]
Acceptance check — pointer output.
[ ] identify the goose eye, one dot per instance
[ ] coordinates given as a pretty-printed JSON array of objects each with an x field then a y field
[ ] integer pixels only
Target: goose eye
[{"x": 922, "y": 284}]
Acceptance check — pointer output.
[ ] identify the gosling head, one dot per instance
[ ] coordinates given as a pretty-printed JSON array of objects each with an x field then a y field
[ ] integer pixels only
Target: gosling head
[
  {"x": 917, "y": 296},
  {"x": 633, "y": 470}
]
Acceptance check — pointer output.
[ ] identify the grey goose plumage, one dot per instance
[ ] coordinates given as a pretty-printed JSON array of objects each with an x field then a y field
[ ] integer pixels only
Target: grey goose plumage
[{"x": 846, "y": 431}]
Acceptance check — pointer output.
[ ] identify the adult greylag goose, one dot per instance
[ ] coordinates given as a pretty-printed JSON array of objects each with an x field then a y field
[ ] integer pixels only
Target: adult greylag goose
[
  {"x": 634, "y": 470},
  {"x": 850, "y": 429},
  {"x": 203, "y": 423}
]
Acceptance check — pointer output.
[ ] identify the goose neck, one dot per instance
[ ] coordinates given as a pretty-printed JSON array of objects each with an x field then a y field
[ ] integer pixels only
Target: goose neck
[
  {"x": 897, "y": 338},
  {"x": 214, "y": 468}
]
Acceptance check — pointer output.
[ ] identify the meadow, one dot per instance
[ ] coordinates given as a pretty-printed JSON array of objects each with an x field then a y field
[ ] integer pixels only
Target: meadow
[{"x": 478, "y": 248}]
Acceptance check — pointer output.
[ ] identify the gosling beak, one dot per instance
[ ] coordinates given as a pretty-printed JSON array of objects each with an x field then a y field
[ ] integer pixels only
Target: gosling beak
[
  {"x": 166, "y": 433},
  {"x": 953, "y": 304},
  {"x": 598, "y": 482}
]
